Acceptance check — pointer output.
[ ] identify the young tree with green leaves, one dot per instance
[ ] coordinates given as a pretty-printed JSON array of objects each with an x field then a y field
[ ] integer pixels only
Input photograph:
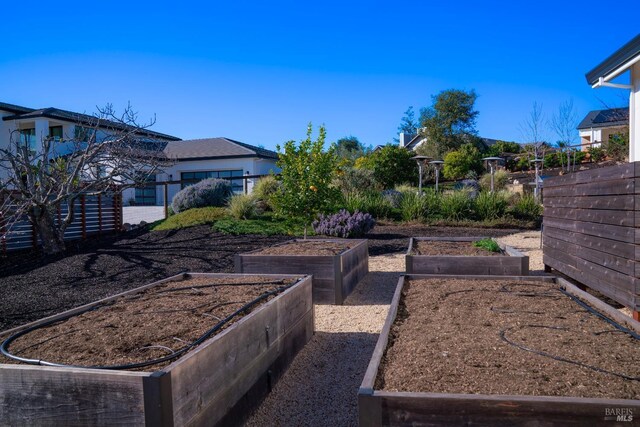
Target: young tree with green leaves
[
  {"x": 349, "y": 148},
  {"x": 306, "y": 176}
]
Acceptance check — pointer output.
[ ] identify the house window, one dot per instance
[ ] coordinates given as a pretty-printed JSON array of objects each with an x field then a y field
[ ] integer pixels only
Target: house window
[
  {"x": 28, "y": 138},
  {"x": 146, "y": 196},
  {"x": 55, "y": 132},
  {"x": 81, "y": 133},
  {"x": 193, "y": 177}
]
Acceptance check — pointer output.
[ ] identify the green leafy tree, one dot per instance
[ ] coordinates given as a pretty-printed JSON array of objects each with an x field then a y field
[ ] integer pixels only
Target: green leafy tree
[
  {"x": 457, "y": 163},
  {"x": 391, "y": 165},
  {"x": 501, "y": 147},
  {"x": 349, "y": 148},
  {"x": 306, "y": 176},
  {"x": 450, "y": 121}
]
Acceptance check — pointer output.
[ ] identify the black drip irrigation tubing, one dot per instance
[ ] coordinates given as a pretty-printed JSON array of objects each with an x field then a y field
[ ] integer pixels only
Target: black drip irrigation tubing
[
  {"x": 562, "y": 359},
  {"x": 4, "y": 348}
]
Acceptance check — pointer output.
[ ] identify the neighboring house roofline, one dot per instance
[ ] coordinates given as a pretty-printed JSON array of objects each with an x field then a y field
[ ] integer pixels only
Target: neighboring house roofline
[
  {"x": 617, "y": 59},
  {"x": 15, "y": 109},
  {"x": 215, "y": 148},
  {"x": 83, "y": 119},
  {"x": 612, "y": 117}
]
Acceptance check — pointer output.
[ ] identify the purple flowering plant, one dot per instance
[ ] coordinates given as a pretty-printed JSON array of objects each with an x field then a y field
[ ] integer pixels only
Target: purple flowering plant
[{"x": 344, "y": 224}]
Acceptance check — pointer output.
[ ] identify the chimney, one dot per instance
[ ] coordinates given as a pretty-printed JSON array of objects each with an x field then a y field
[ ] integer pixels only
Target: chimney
[{"x": 405, "y": 139}]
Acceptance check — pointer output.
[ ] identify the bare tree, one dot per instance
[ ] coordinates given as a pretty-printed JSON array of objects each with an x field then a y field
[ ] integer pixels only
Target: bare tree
[
  {"x": 564, "y": 123},
  {"x": 107, "y": 150},
  {"x": 533, "y": 132}
]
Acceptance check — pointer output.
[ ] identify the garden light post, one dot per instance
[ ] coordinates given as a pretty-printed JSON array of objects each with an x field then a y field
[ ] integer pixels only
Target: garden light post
[
  {"x": 493, "y": 162},
  {"x": 421, "y": 160},
  {"x": 437, "y": 164},
  {"x": 537, "y": 163}
]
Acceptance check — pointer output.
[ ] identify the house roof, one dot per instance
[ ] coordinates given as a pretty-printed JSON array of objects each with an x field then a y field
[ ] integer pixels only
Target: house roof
[
  {"x": 21, "y": 113},
  {"x": 612, "y": 117},
  {"x": 15, "y": 109},
  {"x": 620, "y": 57},
  {"x": 215, "y": 148},
  {"x": 416, "y": 140}
]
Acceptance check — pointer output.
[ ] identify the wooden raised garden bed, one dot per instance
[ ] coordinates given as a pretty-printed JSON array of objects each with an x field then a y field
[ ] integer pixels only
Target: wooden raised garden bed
[
  {"x": 500, "y": 351},
  {"x": 215, "y": 381},
  {"x": 337, "y": 265},
  {"x": 456, "y": 255}
]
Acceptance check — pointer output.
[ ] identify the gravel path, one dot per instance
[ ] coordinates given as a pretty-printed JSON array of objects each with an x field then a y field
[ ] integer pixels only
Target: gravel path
[
  {"x": 320, "y": 388},
  {"x": 527, "y": 242}
]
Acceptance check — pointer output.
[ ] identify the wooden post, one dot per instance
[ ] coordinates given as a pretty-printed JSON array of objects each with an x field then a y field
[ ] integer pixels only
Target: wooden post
[
  {"x": 166, "y": 202},
  {"x": 99, "y": 213},
  {"x": 3, "y": 237},
  {"x": 83, "y": 215}
]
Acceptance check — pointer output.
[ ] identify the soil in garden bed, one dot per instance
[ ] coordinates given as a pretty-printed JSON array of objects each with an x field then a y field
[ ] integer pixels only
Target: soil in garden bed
[
  {"x": 463, "y": 336},
  {"x": 146, "y": 325},
  {"x": 440, "y": 248},
  {"x": 308, "y": 247}
]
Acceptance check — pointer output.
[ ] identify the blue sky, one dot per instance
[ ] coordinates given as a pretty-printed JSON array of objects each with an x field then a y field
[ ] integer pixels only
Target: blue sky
[{"x": 258, "y": 72}]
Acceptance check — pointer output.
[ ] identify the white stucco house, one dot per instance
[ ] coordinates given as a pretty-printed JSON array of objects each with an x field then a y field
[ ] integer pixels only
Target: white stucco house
[
  {"x": 599, "y": 126},
  {"x": 31, "y": 126},
  {"x": 198, "y": 159},
  {"x": 626, "y": 59}
]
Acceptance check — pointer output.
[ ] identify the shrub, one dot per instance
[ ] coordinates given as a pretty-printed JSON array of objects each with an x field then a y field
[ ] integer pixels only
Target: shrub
[
  {"x": 491, "y": 205},
  {"x": 393, "y": 197},
  {"x": 458, "y": 163},
  {"x": 596, "y": 154},
  {"x": 618, "y": 147},
  {"x": 208, "y": 192},
  {"x": 390, "y": 165},
  {"x": 470, "y": 185},
  {"x": 191, "y": 218},
  {"x": 415, "y": 207},
  {"x": 370, "y": 202},
  {"x": 500, "y": 180},
  {"x": 487, "y": 244},
  {"x": 350, "y": 180},
  {"x": 457, "y": 205},
  {"x": 265, "y": 190},
  {"x": 243, "y": 206},
  {"x": 526, "y": 208},
  {"x": 344, "y": 224}
]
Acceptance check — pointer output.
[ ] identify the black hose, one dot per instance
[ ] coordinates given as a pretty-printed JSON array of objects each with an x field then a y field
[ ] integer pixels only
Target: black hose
[
  {"x": 600, "y": 315},
  {"x": 558, "y": 358},
  {"x": 4, "y": 348}
]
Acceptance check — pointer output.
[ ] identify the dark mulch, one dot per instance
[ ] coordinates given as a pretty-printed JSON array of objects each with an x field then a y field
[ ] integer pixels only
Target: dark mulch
[{"x": 33, "y": 287}]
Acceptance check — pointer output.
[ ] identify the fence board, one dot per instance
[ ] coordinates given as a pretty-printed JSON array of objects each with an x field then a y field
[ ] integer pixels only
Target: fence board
[
  {"x": 592, "y": 230},
  {"x": 93, "y": 214}
]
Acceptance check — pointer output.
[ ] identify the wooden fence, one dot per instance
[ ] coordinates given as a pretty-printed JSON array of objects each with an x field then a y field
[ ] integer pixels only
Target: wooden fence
[
  {"x": 589, "y": 230},
  {"x": 94, "y": 214}
]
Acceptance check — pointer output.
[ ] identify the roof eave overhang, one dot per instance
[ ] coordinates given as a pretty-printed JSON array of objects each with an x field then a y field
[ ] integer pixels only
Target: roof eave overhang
[
  {"x": 617, "y": 63},
  {"x": 241, "y": 156}
]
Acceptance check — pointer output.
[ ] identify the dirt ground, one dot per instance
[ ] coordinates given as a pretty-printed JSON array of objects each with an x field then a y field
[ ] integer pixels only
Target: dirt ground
[
  {"x": 310, "y": 247},
  {"x": 439, "y": 247},
  {"x": 505, "y": 337},
  {"x": 118, "y": 333}
]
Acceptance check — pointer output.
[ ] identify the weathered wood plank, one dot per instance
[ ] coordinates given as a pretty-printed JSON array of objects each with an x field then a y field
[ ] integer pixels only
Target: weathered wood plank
[
  {"x": 614, "y": 232},
  {"x": 612, "y": 217},
  {"x": 38, "y": 395},
  {"x": 624, "y": 171},
  {"x": 594, "y": 188},
  {"x": 210, "y": 380},
  {"x": 334, "y": 276},
  {"x": 619, "y": 202},
  {"x": 622, "y": 249},
  {"x": 513, "y": 263}
]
